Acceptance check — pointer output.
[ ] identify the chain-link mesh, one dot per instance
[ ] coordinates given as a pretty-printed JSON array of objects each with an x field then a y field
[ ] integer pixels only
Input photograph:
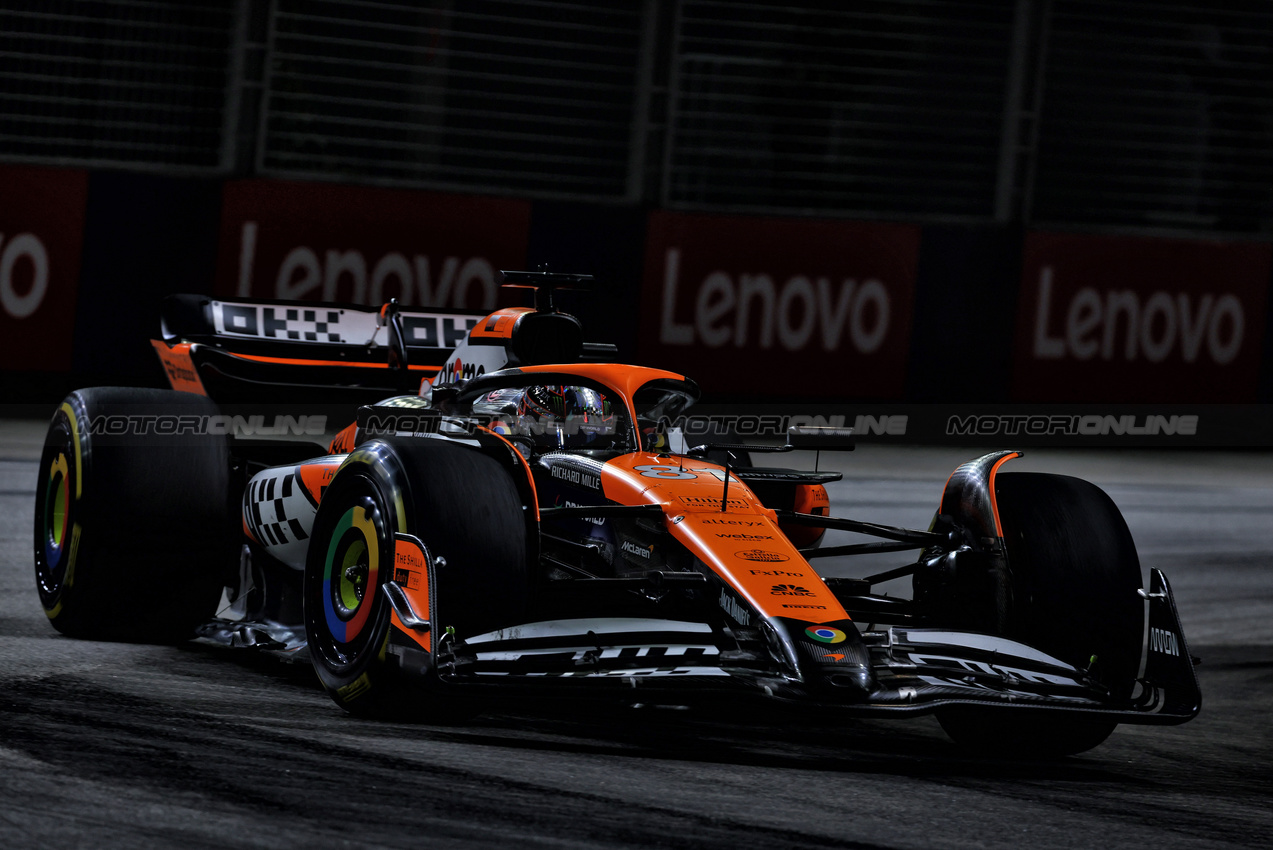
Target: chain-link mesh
[
  {"x": 875, "y": 108},
  {"x": 1110, "y": 114},
  {"x": 114, "y": 81},
  {"x": 522, "y": 97},
  {"x": 1158, "y": 115}
]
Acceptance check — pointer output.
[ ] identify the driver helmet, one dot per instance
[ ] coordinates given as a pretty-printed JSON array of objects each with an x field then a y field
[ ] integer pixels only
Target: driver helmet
[{"x": 563, "y": 417}]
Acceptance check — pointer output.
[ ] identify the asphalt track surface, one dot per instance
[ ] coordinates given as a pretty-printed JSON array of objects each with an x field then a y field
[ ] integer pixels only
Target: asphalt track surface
[{"x": 115, "y": 745}]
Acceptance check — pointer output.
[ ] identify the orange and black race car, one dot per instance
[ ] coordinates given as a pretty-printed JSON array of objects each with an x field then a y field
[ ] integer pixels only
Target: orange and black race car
[{"x": 512, "y": 516}]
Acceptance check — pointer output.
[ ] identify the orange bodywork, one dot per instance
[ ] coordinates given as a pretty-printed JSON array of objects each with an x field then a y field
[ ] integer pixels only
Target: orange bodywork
[
  {"x": 304, "y": 361},
  {"x": 743, "y": 544},
  {"x": 179, "y": 367},
  {"x": 499, "y": 325},
  {"x": 810, "y": 499},
  {"x": 315, "y": 475},
  {"x": 994, "y": 501},
  {"x": 343, "y": 442},
  {"x": 410, "y": 571}
]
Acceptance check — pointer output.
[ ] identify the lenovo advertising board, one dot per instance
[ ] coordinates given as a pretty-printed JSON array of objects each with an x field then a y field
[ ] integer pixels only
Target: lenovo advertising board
[
  {"x": 41, "y": 235},
  {"x": 1138, "y": 319},
  {"x": 779, "y": 307},
  {"x": 327, "y": 242}
]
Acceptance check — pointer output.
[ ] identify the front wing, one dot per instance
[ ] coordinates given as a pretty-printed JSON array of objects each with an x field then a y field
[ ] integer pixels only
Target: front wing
[{"x": 915, "y": 670}]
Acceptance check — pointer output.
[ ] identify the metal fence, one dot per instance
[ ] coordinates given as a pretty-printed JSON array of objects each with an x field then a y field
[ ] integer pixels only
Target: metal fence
[
  {"x": 868, "y": 108},
  {"x": 1157, "y": 114},
  {"x": 524, "y": 97},
  {"x": 1109, "y": 114},
  {"x": 116, "y": 82}
]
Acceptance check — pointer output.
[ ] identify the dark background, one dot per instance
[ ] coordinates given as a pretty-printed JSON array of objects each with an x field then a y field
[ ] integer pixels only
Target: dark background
[{"x": 980, "y": 123}]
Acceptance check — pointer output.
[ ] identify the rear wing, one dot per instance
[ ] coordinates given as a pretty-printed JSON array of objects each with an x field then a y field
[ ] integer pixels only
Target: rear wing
[
  {"x": 254, "y": 350},
  {"x": 248, "y": 349}
]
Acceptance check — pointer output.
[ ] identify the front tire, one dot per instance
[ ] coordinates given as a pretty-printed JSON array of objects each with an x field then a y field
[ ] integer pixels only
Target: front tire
[
  {"x": 466, "y": 510},
  {"x": 1073, "y": 576}
]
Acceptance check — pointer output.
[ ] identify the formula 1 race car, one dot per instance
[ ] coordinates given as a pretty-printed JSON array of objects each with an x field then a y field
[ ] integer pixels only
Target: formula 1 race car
[{"x": 531, "y": 523}]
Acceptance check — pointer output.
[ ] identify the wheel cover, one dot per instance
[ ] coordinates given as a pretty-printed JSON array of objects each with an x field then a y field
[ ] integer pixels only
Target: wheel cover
[
  {"x": 57, "y": 511},
  {"x": 56, "y": 522},
  {"x": 351, "y": 572}
]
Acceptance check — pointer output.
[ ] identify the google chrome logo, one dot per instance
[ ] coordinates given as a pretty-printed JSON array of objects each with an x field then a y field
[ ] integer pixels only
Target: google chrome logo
[{"x": 825, "y": 634}]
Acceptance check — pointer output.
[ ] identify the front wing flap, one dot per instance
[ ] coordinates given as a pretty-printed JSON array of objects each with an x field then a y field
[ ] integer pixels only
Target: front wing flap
[
  {"x": 915, "y": 670},
  {"x": 919, "y": 670}
]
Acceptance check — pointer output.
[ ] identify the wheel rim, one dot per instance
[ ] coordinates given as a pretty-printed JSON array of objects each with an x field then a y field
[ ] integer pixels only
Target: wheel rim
[
  {"x": 56, "y": 530},
  {"x": 351, "y": 571},
  {"x": 57, "y": 511}
]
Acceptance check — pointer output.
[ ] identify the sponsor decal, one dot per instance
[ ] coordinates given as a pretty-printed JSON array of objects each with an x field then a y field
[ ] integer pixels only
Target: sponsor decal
[
  {"x": 642, "y": 552},
  {"x": 329, "y": 242},
  {"x": 408, "y": 401},
  {"x": 458, "y": 370},
  {"x": 714, "y": 504},
  {"x": 790, "y": 590},
  {"x": 797, "y": 605},
  {"x": 744, "y": 536},
  {"x": 761, "y": 555},
  {"x": 826, "y": 634},
  {"x": 744, "y": 522},
  {"x": 734, "y": 609},
  {"x": 41, "y": 235},
  {"x": 1163, "y": 641},
  {"x": 595, "y": 520},
  {"x": 355, "y": 689},
  {"x": 404, "y": 577},
  {"x": 179, "y": 367},
  {"x": 656, "y": 471},
  {"x": 774, "y": 573},
  {"x": 335, "y": 326},
  {"x": 577, "y": 477},
  {"x": 1136, "y": 319},
  {"x": 730, "y": 297}
]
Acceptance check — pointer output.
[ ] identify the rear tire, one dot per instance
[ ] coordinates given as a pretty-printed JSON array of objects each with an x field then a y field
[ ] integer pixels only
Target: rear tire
[
  {"x": 465, "y": 508},
  {"x": 1074, "y": 576},
  {"x": 133, "y": 527}
]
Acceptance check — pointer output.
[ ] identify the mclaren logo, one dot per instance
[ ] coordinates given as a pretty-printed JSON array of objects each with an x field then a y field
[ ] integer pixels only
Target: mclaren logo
[{"x": 640, "y": 551}]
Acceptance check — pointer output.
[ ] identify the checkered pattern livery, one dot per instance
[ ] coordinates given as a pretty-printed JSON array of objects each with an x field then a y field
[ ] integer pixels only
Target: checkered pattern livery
[
  {"x": 304, "y": 324},
  {"x": 266, "y": 509}
]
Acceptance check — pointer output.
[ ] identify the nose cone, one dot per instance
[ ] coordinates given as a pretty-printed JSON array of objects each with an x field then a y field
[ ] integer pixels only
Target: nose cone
[{"x": 835, "y": 663}]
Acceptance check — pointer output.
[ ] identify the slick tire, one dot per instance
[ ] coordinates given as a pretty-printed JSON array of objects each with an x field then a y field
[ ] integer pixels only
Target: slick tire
[
  {"x": 1074, "y": 577},
  {"x": 133, "y": 519},
  {"x": 464, "y": 507}
]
